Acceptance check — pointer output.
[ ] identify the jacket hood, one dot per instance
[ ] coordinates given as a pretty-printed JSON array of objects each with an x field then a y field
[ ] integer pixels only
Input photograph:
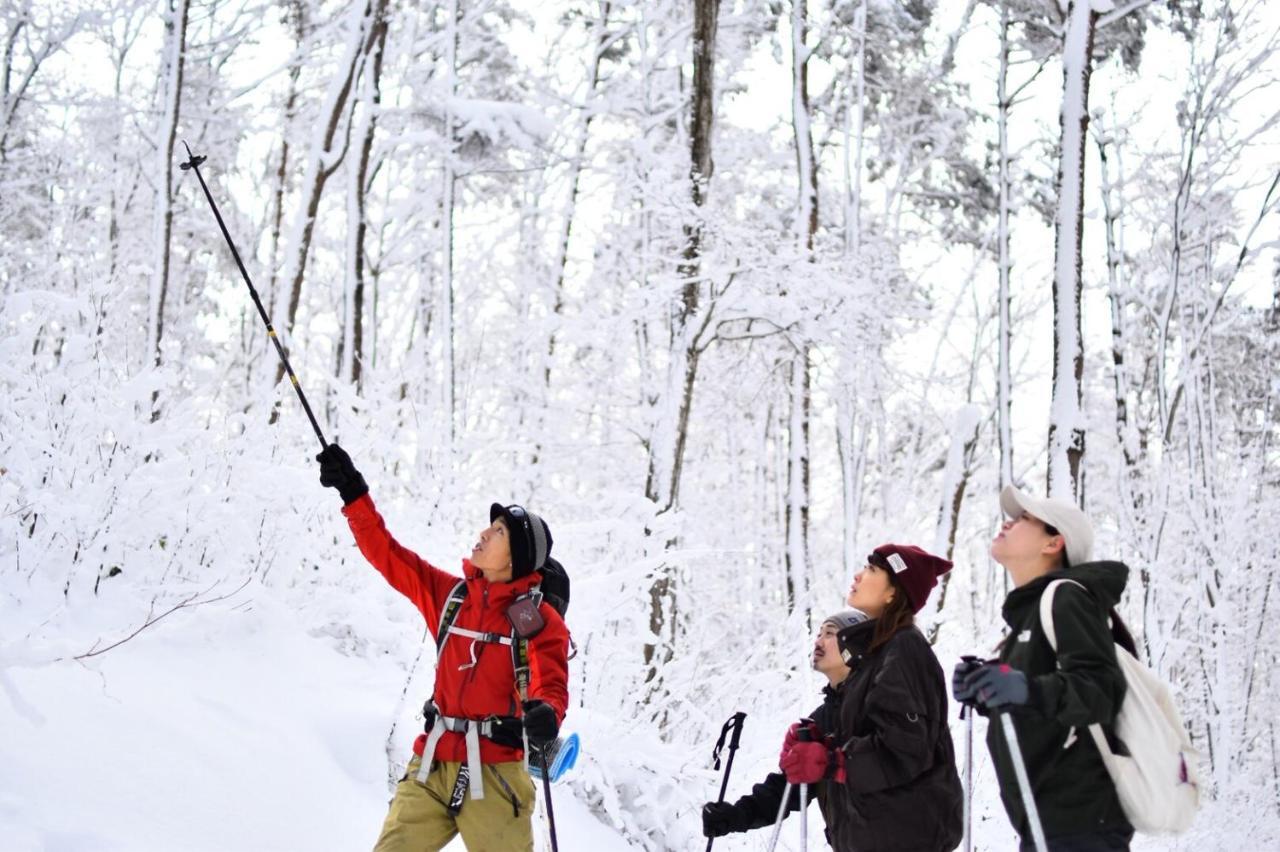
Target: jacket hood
[{"x": 1105, "y": 580}]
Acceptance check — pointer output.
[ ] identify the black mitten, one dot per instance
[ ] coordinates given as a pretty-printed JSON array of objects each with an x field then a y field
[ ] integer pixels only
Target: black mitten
[
  {"x": 721, "y": 818},
  {"x": 507, "y": 731},
  {"x": 337, "y": 471},
  {"x": 540, "y": 722}
]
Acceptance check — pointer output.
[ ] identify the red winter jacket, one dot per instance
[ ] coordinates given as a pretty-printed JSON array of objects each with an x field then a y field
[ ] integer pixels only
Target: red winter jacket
[{"x": 489, "y": 687}]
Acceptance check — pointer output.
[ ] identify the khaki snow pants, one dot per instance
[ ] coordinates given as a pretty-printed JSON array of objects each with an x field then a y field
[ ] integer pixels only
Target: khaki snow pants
[{"x": 419, "y": 818}]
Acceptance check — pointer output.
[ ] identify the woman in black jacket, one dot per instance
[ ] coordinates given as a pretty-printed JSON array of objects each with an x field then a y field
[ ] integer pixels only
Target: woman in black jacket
[{"x": 891, "y": 768}]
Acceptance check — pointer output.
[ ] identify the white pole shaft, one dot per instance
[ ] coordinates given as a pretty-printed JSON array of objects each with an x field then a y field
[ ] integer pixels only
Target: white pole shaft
[
  {"x": 1024, "y": 783},
  {"x": 782, "y": 812}
]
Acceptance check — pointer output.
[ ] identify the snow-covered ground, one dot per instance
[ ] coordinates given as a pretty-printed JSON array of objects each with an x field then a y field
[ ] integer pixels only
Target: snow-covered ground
[
  {"x": 229, "y": 726},
  {"x": 260, "y": 723}
]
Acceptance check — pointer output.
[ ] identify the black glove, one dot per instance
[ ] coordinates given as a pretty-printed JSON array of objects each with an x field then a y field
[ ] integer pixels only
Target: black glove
[
  {"x": 994, "y": 686},
  {"x": 959, "y": 690},
  {"x": 540, "y": 722},
  {"x": 507, "y": 731},
  {"x": 721, "y": 818},
  {"x": 337, "y": 471}
]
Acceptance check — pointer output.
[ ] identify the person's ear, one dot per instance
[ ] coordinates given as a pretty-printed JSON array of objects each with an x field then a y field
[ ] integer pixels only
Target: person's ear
[{"x": 1056, "y": 545}]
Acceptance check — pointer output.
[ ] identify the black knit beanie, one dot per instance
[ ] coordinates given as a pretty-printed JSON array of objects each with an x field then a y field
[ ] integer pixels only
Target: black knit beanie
[{"x": 530, "y": 538}]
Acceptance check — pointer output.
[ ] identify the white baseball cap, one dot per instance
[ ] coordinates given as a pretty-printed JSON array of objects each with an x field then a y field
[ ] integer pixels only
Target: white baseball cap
[{"x": 1065, "y": 517}]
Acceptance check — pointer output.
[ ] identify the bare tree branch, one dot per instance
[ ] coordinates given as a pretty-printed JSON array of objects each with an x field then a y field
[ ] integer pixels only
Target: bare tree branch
[{"x": 190, "y": 601}]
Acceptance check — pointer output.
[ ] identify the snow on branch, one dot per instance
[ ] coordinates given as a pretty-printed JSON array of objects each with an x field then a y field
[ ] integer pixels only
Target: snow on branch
[
  {"x": 497, "y": 120},
  {"x": 1112, "y": 14},
  {"x": 192, "y": 600}
]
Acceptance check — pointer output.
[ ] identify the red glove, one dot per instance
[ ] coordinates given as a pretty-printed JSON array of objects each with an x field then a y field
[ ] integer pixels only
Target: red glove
[{"x": 807, "y": 762}]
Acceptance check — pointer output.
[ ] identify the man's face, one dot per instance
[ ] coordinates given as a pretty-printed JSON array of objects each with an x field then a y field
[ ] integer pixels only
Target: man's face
[
  {"x": 1022, "y": 539},
  {"x": 826, "y": 654},
  {"x": 492, "y": 552}
]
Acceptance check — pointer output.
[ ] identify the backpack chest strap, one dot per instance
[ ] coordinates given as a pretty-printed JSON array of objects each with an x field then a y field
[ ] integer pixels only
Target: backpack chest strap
[{"x": 496, "y": 638}]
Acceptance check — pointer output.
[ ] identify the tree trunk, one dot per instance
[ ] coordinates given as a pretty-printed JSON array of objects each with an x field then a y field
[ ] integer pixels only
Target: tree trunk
[
  {"x": 368, "y": 103},
  {"x": 447, "y": 188},
  {"x": 798, "y": 473},
  {"x": 1004, "y": 383},
  {"x": 855, "y": 115},
  {"x": 176, "y": 32},
  {"x": 1111, "y": 206},
  {"x": 955, "y": 481},
  {"x": 322, "y": 161},
  {"x": 599, "y": 43},
  {"x": 1066, "y": 422},
  {"x": 852, "y": 458},
  {"x": 667, "y": 446},
  {"x": 297, "y": 16},
  {"x": 798, "y": 562}
]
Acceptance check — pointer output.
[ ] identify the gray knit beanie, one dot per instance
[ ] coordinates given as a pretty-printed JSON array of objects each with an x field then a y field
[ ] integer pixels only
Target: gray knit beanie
[{"x": 845, "y": 618}]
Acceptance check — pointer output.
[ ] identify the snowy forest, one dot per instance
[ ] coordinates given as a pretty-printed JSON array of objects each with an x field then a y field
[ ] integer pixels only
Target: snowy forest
[{"x": 728, "y": 292}]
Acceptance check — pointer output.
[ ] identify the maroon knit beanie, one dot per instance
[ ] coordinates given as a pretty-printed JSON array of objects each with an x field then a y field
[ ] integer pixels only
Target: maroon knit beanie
[{"x": 915, "y": 570}]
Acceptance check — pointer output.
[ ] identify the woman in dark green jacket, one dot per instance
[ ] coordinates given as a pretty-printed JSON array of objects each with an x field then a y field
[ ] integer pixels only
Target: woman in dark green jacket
[{"x": 1051, "y": 697}]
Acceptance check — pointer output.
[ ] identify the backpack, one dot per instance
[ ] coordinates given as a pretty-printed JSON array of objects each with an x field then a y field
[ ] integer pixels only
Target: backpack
[{"x": 1158, "y": 781}]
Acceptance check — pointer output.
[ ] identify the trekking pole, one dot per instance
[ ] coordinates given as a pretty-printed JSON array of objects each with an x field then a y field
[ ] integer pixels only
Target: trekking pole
[
  {"x": 734, "y": 724},
  {"x": 546, "y": 789},
  {"x": 782, "y": 813},
  {"x": 1024, "y": 783},
  {"x": 804, "y": 817},
  {"x": 193, "y": 164},
  {"x": 966, "y": 713},
  {"x": 803, "y": 736}
]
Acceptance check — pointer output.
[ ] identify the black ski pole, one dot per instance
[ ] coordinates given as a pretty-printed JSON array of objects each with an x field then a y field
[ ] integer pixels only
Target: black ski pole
[
  {"x": 546, "y": 789},
  {"x": 734, "y": 723},
  {"x": 193, "y": 164}
]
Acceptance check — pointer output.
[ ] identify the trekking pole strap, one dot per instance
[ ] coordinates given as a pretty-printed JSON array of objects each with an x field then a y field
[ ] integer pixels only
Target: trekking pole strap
[{"x": 733, "y": 724}]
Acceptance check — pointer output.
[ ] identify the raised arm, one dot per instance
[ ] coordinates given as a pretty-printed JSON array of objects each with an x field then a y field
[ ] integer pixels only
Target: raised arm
[{"x": 409, "y": 574}]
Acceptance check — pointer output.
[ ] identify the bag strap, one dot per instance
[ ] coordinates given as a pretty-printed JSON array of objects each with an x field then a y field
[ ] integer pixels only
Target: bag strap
[
  {"x": 1051, "y": 633},
  {"x": 1046, "y": 612},
  {"x": 449, "y": 613},
  {"x": 520, "y": 655}
]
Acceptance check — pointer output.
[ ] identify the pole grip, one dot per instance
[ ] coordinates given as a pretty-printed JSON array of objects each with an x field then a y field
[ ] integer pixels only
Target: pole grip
[
  {"x": 738, "y": 719},
  {"x": 804, "y": 734}
]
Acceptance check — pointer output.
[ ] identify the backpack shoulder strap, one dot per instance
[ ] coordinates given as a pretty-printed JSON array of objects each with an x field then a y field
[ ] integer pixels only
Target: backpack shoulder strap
[
  {"x": 520, "y": 652},
  {"x": 520, "y": 664},
  {"x": 1096, "y": 731},
  {"x": 449, "y": 613},
  {"x": 1046, "y": 611}
]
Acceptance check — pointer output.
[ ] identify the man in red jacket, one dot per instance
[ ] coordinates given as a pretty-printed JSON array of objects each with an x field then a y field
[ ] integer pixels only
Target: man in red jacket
[{"x": 495, "y": 686}]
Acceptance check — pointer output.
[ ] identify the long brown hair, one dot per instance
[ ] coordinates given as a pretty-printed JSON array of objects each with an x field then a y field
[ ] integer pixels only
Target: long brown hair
[{"x": 898, "y": 615}]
